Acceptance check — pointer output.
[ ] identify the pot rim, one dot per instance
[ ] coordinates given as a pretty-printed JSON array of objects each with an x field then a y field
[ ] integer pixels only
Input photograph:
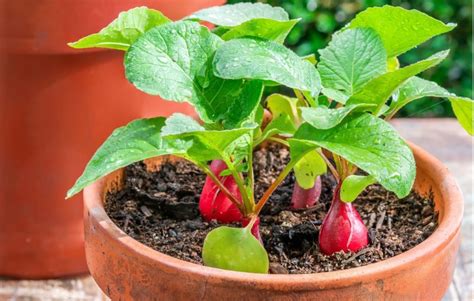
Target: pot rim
[{"x": 448, "y": 227}]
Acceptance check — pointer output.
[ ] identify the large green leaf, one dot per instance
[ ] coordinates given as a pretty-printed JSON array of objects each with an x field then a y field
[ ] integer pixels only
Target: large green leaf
[
  {"x": 371, "y": 144},
  {"x": 351, "y": 59},
  {"x": 169, "y": 59},
  {"x": 234, "y": 249},
  {"x": 141, "y": 139},
  {"x": 124, "y": 30},
  {"x": 463, "y": 109},
  {"x": 266, "y": 29},
  {"x": 205, "y": 145},
  {"x": 378, "y": 90},
  {"x": 265, "y": 60},
  {"x": 325, "y": 118},
  {"x": 230, "y": 102},
  {"x": 415, "y": 88},
  {"x": 236, "y": 14},
  {"x": 174, "y": 61},
  {"x": 399, "y": 28}
]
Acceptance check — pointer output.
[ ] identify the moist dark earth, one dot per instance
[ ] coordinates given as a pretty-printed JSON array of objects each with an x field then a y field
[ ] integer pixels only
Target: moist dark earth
[{"x": 160, "y": 209}]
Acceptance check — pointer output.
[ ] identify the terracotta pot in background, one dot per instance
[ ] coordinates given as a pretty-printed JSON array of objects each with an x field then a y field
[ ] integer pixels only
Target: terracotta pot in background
[
  {"x": 57, "y": 105},
  {"x": 128, "y": 270}
]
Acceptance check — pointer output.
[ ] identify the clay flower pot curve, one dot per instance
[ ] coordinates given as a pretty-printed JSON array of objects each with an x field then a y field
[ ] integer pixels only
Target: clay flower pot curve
[
  {"x": 127, "y": 270},
  {"x": 56, "y": 104}
]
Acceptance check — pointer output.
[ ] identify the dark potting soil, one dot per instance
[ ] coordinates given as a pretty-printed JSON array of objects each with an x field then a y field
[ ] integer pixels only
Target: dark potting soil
[{"x": 160, "y": 209}]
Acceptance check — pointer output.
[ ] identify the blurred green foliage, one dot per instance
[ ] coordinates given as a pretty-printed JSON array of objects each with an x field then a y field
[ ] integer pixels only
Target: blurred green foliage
[{"x": 320, "y": 18}]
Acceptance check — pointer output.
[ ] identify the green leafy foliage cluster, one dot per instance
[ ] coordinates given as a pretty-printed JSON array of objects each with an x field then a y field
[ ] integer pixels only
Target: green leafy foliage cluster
[
  {"x": 339, "y": 105},
  {"x": 321, "y": 18}
]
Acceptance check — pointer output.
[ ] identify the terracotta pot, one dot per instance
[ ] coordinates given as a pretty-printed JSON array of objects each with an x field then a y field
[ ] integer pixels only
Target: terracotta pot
[
  {"x": 56, "y": 108},
  {"x": 127, "y": 270}
]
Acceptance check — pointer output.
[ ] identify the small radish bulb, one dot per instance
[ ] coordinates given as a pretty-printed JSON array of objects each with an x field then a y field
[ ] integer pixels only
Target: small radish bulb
[
  {"x": 304, "y": 198},
  {"x": 342, "y": 228},
  {"x": 214, "y": 204}
]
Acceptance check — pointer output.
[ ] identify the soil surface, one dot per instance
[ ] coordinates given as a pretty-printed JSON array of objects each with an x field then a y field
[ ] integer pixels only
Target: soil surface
[{"x": 160, "y": 209}]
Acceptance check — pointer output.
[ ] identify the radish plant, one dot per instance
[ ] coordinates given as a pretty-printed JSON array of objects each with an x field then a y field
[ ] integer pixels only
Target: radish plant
[{"x": 334, "y": 120}]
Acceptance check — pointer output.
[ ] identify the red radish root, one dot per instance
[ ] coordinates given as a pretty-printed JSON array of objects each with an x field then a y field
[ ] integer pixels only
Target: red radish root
[
  {"x": 214, "y": 204},
  {"x": 304, "y": 198},
  {"x": 342, "y": 228}
]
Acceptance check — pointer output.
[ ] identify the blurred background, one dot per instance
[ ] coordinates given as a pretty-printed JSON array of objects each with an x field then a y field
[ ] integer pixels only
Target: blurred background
[{"x": 320, "y": 18}]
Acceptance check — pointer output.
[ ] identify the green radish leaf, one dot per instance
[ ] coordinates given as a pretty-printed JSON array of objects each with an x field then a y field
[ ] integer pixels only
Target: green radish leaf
[
  {"x": 370, "y": 143},
  {"x": 234, "y": 249},
  {"x": 310, "y": 58},
  {"x": 205, "y": 145},
  {"x": 392, "y": 64},
  {"x": 351, "y": 59},
  {"x": 308, "y": 168},
  {"x": 326, "y": 118},
  {"x": 463, "y": 109},
  {"x": 140, "y": 139},
  {"x": 353, "y": 185},
  {"x": 379, "y": 89},
  {"x": 235, "y": 14},
  {"x": 281, "y": 125},
  {"x": 258, "y": 116},
  {"x": 400, "y": 29},
  {"x": 173, "y": 61},
  {"x": 308, "y": 164},
  {"x": 383, "y": 111},
  {"x": 124, "y": 30},
  {"x": 300, "y": 147},
  {"x": 415, "y": 88},
  {"x": 280, "y": 104},
  {"x": 266, "y": 29},
  {"x": 240, "y": 149},
  {"x": 265, "y": 60},
  {"x": 220, "y": 31},
  {"x": 285, "y": 116},
  {"x": 336, "y": 95},
  {"x": 230, "y": 102},
  {"x": 179, "y": 123},
  {"x": 168, "y": 61}
]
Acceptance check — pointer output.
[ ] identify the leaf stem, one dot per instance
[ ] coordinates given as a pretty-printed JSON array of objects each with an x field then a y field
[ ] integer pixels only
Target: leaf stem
[
  {"x": 337, "y": 161},
  {"x": 300, "y": 97},
  {"x": 312, "y": 102},
  {"x": 251, "y": 174},
  {"x": 240, "y": 183},
  {"x": 344, "y": 167},
  {"x": 377, "y": 111},
  {"x": 390, "y": 116},
  {"x": 353, "y": 169},
  {"x": 274, "y": 186},
  {"x": 330, "y": 165},
  {"x": 251, "y": 222}
]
